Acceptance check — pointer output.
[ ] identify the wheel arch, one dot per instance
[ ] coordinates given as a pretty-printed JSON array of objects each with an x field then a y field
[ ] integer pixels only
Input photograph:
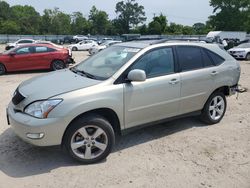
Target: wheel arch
[{"x": 107, "y": 113}]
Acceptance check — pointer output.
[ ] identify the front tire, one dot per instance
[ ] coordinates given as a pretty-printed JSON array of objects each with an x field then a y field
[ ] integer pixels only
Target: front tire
[
  {"x": 214, "y": 109},
  {"x": 248, "y": 57},
  {"x": 57, "y": 65},
  {"x": 89, "y": 139},
  {"x": 2, "y": 69}
]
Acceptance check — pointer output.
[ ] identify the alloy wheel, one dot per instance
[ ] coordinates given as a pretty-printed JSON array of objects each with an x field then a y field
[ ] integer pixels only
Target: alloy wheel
[
  {"x": 216, "y": 108},
  {"x": 89, "y": 142}
]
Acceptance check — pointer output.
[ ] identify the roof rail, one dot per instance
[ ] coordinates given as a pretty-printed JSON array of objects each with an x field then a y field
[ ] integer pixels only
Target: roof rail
[{"x": 159, "y": 41}]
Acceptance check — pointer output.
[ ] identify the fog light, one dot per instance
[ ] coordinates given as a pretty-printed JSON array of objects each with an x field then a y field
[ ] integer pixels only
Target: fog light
[{"x": 35, "y": 135}]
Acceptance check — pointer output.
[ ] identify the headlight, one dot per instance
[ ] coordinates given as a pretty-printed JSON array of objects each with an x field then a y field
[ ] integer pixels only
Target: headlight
[{"x": 41, "y": 109}]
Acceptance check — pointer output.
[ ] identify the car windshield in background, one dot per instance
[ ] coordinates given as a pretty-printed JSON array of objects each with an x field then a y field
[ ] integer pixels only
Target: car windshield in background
[
  {"x": 105, "y": 63},
  {"x": 245, "y": 45}
]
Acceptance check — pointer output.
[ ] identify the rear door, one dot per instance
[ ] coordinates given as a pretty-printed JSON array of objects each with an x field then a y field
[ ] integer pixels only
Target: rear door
[
  {"x": 197, "y": 77},
  {"x": 42, "y": 57},
  {"x": 156, "y": 98}
]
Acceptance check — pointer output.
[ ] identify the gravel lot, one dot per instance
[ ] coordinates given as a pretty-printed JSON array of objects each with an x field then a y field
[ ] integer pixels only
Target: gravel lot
[{"x": 182, "y": 153}]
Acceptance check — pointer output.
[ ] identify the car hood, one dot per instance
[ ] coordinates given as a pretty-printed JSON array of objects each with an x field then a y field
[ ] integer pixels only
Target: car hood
[
  {"x": 239, "y": 49},
  {"x": 53, "y": 84},
  {"x": 11, "y": 44}
]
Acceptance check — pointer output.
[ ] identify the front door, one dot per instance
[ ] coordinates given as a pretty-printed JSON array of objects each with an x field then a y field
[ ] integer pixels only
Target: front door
[{"x": 156, "y": 98}]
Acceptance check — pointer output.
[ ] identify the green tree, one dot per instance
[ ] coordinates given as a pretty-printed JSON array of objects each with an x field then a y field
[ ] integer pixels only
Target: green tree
[
  {"x": 158, "y": 25},
  {"x": 4, "y": 10},
  {"x": 79, "y": 24},
  {"x": 175, "y": 29},
  {"x": 9, "y": 27},
  {"x": 130, "y": 14},
  {"x": 99, "y": 21},
  {"x": 56, "y": 22},
  {"x": 232, "y": 15}
]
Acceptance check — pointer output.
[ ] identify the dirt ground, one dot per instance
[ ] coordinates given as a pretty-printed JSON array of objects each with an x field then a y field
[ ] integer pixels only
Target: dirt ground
[{"x": 181, "y": 153}]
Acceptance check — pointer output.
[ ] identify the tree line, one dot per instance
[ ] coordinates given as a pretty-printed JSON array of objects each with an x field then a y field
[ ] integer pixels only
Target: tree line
[{"x": 230, "y": 15}]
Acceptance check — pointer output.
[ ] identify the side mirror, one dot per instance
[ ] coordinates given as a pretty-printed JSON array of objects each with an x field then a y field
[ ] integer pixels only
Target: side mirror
[
  {"x": 12, "y": 53},
  {"x": 137, "y": 75}
]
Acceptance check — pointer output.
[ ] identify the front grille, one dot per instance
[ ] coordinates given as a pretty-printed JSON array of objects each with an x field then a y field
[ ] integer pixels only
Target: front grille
[{"x": 17, "y": 98}]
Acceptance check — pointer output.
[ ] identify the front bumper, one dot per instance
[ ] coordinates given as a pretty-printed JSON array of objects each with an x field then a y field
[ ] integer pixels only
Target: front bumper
[
  {"x": 23, "y": 124},
  {"x": 238, "y": 55},
  {"x": 70, "y": 60}
]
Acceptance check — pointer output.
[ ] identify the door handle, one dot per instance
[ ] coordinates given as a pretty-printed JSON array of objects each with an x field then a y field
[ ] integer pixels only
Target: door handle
[
  {"x": 214, "y": 73},
  {"x": 173, "y": 81}
]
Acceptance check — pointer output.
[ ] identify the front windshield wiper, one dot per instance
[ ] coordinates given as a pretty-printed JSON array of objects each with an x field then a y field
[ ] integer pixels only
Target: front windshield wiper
[{"x": 88, "y": 75}]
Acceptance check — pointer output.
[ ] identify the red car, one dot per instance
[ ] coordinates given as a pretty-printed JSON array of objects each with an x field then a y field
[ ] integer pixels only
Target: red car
[{"x": 34, "y": 57}]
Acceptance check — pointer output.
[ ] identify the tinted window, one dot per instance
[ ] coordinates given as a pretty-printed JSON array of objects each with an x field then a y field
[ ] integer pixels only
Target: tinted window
[
  {"x": 156, "y": 63},
  {"x": 216, "y": 58},
  {"x": 208, "y": 62},
  {"x": 24, "y": 50},
  {"x": 190, "y": 58},
  {"x": 25, "y": 41}
]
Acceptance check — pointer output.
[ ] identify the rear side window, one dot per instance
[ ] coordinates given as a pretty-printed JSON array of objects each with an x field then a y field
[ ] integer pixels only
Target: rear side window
[
  {"x": 215, "y": 58},
  {"x": 190, "y": 58},
  {"x": 41, "y": 49},
  {"x": 208, "y": 62}
]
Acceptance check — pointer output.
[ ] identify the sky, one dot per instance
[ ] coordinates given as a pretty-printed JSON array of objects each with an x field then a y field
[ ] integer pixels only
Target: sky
[{"x": 186, "y": 12}]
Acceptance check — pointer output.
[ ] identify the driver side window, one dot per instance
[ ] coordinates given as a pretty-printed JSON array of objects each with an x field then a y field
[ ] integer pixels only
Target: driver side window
[
  {"x": 24, "y": 50},
  {"x": 156, "y": 63}
]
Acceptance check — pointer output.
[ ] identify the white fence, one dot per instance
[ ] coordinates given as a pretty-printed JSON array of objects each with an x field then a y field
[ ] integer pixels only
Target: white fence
[{"x": 4, "y": 38}]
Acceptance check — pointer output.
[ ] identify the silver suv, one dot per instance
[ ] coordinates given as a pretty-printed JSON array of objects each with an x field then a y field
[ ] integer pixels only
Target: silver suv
[{"x": 120, "y": 88}]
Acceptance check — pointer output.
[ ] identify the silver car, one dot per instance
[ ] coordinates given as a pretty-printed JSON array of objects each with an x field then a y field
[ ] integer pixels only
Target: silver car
[{"x": 119, "y": 89}]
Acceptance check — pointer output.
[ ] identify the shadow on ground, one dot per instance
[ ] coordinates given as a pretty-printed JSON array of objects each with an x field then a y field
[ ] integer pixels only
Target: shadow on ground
[{"x": 19, "y": 159}]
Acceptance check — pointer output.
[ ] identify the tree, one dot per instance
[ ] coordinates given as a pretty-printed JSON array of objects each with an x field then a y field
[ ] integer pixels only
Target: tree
[
  {"x": 79, "y": 24},
  {"x": 232, "y": 15},
  {"x": 4, "y": 10},
  {"x": 27, "y": 18},
  {"x": 175, "y": 29},
  {"x": 130, "y": 14},
  {"x": 199, "y": 28},
  {"x": 99, "y": 21},
  {"x": 56, "y": 22},
  {"x": 158, "y": 25}
]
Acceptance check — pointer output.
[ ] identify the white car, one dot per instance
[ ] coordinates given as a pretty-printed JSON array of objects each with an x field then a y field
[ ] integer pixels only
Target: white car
[
  {"x": 78, "y": 38},
  {"x": 83, "y": 45},
  {"x": 102, "y": 46},
  {"x": 19, "y": 42},
  {"x": 241, "y": 52}
]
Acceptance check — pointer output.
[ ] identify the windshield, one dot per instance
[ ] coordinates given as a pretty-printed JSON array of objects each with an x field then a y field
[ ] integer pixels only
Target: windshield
[
  {"x": 245, "y": 45},
  {"x": 106, "y": 63}
]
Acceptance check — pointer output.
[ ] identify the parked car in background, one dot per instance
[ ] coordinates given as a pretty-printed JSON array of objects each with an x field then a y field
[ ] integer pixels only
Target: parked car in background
[
  {"x": 19, "y": 42},
  {"x": 241, "y": 52},
  {"x": 119, "y": 89},
  {"x": 78, "y": 38},
  {"x": 104, "y": 40},
  {"x": 33, "y": 57},
  {"x": 67, "y": 40},
  {"x": 102, "y": 46},
  {"x": 83, "y": 45}
]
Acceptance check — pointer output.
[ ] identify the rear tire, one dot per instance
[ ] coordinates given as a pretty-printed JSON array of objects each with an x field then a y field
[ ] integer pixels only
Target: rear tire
[
  {"x": 214, "y": 109},
  {"x": 57, "y": 65},
  {"x": 2, "y": 69},
  {"x": 89, "y": 139}
]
